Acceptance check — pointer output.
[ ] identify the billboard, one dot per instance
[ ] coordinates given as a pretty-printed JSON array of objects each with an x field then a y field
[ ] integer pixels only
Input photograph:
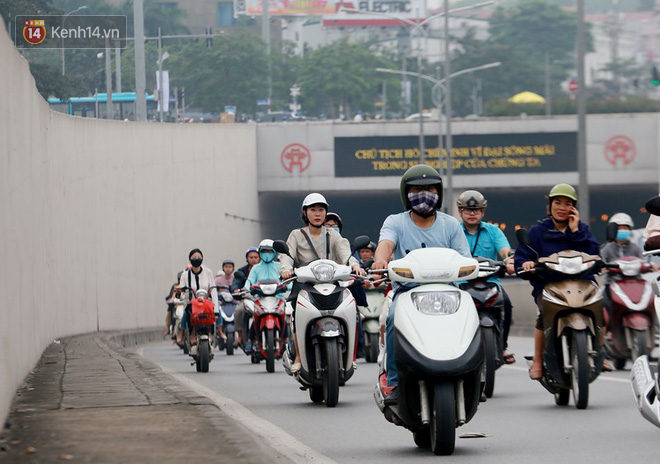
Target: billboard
[
  {"x": 471, "y": 154},
  {"x": 330, "y": 10}
]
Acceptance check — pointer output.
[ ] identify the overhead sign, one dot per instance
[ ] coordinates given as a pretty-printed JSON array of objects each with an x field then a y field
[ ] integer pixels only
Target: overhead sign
[
  {"x": 471, "y": 154},
  {"x": 332, "y": 9}
]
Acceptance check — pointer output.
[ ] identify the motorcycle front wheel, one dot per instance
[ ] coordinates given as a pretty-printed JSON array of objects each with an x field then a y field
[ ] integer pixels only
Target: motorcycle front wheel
[
  {"x": 443, "y": 422},
  {"x": 204, "y": 355},
  {"x": 638, "y": 340},
  {"x": 372, "y": 353},
  {"x": 580, "y": 372},
  {"x": 330, "y": 373},
  {"x": 270, "y": 350},
  {"x": 230, "y": 343},
  {"x": 490, "y": 345}
]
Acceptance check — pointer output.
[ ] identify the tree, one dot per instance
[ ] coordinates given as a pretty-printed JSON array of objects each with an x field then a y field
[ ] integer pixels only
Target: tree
[
  {"x": 341, "y": 75},
  {"x": 231, "y": 72}
]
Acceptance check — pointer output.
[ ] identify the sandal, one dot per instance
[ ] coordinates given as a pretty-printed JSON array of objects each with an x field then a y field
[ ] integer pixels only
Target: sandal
[
  {"x": 536, "y": 374},
  {"x": 509, "y": 358}
]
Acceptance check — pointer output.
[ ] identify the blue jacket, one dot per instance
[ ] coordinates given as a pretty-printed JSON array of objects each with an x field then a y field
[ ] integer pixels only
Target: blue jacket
[
  {"x": 545, "y": 240},
  {"x": 264, "y": 271}
]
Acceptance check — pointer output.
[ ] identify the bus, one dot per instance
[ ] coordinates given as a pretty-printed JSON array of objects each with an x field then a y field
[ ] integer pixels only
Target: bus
[{"x": 95, "y": 106}]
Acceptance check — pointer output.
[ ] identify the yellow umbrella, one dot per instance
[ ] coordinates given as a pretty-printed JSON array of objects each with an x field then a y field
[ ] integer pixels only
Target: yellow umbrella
[{"x": 527, "y": 97}]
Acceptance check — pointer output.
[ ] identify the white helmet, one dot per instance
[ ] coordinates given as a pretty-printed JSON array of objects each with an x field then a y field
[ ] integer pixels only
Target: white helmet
[
  {"x": 622, "y": 219},
  {"x": 266, "y": 243},
  {"x": 266, "y": 250},
  {"x": 312, "y": 199}
]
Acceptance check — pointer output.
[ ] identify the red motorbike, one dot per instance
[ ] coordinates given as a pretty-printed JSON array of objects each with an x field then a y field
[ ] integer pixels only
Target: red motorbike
[
  {"x": 633, "y": 317},
  {"x": 202, "y": 319},
  {"x": 269, "y": 321}
]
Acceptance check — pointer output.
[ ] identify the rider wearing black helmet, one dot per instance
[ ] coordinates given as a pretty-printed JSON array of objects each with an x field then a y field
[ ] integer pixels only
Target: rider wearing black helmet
[
  {"x": 421, "y": 225},
  {"x": 252, "y": 258}
]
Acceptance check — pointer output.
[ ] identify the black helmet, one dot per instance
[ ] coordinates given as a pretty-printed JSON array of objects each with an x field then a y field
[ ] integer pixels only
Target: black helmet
[
  {"x": 421, "y": 174},
  {"x": 369, "y": 246},
  {"x": 335, "y": 217}
]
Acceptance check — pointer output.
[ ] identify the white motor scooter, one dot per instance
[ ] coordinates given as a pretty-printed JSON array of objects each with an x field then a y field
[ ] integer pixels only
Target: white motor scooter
[
  {"x": 326, "y": 326},
  {"x": 437, "y": 348},
  {"x": 644, "y": 376}
]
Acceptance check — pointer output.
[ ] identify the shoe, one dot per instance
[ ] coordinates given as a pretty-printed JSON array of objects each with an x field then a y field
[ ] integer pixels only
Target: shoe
[
  {"x": 354, "y": 366},
  {"x": 295, "y": 367},
  {"x": 392, "y": 398},
  {"x": 483, "y": 398},
  {"x": 607, "y": 367},
  {"x": 248, "y": 347},
  {"x": 536, "y": 374},
  {"x": 509, "y": 358}
]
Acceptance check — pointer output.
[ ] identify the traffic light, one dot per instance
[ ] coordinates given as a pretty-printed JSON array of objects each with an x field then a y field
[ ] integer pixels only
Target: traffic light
[{"x": 655, "y": 77}]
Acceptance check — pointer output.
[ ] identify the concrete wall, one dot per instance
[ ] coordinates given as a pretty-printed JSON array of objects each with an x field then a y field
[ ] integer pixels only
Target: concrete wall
[{"x": 97, "y": 217}]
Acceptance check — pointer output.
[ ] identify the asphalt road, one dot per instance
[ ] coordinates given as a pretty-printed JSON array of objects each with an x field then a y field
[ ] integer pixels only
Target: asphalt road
[{"x": 521, "y": 423}]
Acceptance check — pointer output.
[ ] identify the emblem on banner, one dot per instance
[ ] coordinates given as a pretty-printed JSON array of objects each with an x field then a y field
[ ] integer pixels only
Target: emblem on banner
[{"x": 34, "y": 31}]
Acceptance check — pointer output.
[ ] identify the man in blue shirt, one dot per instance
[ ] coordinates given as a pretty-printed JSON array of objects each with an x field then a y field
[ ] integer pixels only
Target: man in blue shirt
[
  {"x": 488, "y": 241},
  {"x": 420, "y": 226}
]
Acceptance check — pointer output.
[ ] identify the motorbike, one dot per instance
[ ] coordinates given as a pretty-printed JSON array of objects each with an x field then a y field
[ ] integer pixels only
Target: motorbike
[
  {"x": 438, "y": 348},
  {"x": 202, "y": 319},
  {"x": 489, "y": 300},
  {"x": 225, "y": 319},
  {"x": 180, "y": 307},
  {"x": 644, "y": 375},
  {"x": 633, "y": 321},
  {"x": 268, "y": 321},
  {"x": 573, "y": 322},
  {"x": 370, "y": 326},
  {"x": 326, "y": 324}
]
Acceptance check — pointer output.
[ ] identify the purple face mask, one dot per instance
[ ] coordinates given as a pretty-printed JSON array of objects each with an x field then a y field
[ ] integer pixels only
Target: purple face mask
[{"x": 423, "y": 202}]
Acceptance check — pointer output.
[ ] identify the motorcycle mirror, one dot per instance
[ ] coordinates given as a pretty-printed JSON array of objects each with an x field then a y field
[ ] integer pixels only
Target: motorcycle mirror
[
  {"x": 281, "y": 247},
  {"x": 523, "y": 237},
  {"x": 523, "y": 240},
  {"x": 360, "y": 242},
  {"x": 610, "y": 232},
  {"x": 653, "y": 206}
]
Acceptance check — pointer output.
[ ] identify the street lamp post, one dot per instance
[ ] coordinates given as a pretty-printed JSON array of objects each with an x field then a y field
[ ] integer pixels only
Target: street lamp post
[
  {"x": 418, "y": 26},
  {"x": 84, "y": 7},
  {"x": 437, "y": 85}
]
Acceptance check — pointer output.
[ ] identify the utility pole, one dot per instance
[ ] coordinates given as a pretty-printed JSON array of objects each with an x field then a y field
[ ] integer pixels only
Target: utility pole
[
  {"x": 583, "y": 188},
  {"x": 265, "y": 32},
  {"x": 140, "y": 78},
  {"x": 109, "y": 110}
]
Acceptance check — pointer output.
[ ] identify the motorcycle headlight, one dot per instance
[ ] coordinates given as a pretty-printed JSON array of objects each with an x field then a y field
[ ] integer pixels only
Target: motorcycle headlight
[
  {"x": 571, "y": 265},
  {"x": 324, "y": 272},
  {"x": 268, "y": 289},
  {"x": 437, "y": 303}
]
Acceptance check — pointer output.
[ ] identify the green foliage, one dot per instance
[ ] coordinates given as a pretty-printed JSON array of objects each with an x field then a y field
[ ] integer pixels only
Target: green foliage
[
  {"x": 232, "y": 72},
  {"x": 568, "y": 106},
  {"x": 341, "y": 75}
]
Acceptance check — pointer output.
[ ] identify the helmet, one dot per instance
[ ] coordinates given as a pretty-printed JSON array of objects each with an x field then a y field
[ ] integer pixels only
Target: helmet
[
  {"x": 312, "y": 199},
  {"x": 369, "y": 246},
  {"x": 266, "y": 246},
  {"x": 335, "y": 217},
  {"x": 471, "y": 199},
  {"x": 251, "y": 250},
  {"x": 228, "y": 261},
  {"x": 421, "y": 174},
  {"x": 622, "y": 219},
  {"x": 563, "y": 190}
]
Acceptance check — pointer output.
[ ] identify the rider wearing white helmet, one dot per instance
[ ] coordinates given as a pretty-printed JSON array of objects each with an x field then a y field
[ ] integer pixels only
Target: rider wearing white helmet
[{"x": 315, "y": 241}]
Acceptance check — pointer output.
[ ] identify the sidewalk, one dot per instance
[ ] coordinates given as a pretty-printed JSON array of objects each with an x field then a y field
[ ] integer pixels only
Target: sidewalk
[{"x": 91, "y": 400}]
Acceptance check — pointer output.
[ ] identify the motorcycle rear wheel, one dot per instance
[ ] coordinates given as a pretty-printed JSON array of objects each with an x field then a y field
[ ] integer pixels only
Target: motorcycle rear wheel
[
  {"x": 443, "y": 421},
  {"x": 270, "y": 351},
  {"x": 580, "y": 373},
  {"x": 490, "y": 345},
  {"x": 316, "y": 394},
  {"x": 330, "y": 373}
]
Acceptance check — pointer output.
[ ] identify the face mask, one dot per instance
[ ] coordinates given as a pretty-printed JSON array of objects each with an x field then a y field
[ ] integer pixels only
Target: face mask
[
  {"x": 267, "y": 257},
  {"x": 423, "y": 202},
  {"x": 623, "y": 235},
  {"x": 196, "y": 262}
]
